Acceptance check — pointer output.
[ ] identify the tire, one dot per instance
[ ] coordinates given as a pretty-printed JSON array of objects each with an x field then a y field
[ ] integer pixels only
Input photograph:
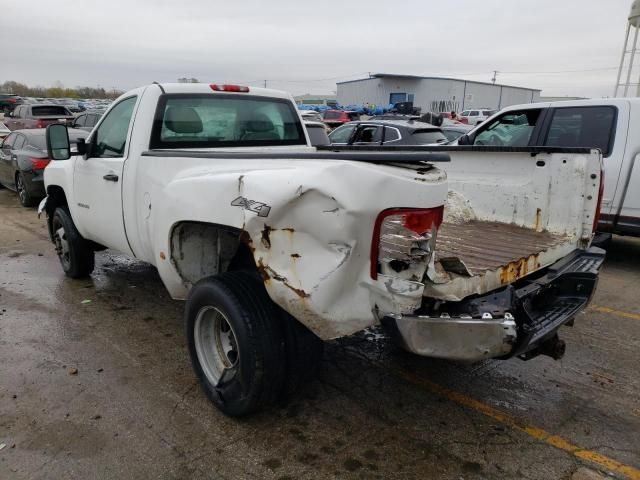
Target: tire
[
  {"x": 303, "y": 351},
  {"x": 26, "y": 200},
  {"x": 236, "y": 342},
  {"x": 74, "y": 252}
]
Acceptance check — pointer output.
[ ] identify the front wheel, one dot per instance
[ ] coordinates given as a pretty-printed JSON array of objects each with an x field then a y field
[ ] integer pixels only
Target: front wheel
[
  {"x": 236, "y": 342},
  {"x": 74, "y": 252}
]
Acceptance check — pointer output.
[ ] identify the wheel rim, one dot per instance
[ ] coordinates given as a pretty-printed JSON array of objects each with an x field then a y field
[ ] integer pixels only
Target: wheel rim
[
  {"x": 216, "y": 345},
  {"x": 62, "y": 244},
  {"x": 22, "y": 192}
]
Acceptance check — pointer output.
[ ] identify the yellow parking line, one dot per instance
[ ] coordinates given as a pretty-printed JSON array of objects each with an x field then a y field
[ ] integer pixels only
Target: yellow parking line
[
  {"x": 612, "y": 311},
  {"x": 539, "y": 434}
]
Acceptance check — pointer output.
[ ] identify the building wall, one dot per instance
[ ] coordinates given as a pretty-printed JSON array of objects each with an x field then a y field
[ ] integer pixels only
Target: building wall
[
  {"x": 432, "y": 94},
  {"x": 375, "y": 90}
]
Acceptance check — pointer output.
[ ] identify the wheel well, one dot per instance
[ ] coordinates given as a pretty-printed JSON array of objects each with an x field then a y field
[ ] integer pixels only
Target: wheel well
[
  {"x": 56, "y": 198},
  {"x": 199, "y": 250}
]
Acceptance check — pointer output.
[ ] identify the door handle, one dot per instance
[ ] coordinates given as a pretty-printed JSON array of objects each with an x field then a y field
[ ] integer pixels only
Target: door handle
[{"x": 111, "y": 177}]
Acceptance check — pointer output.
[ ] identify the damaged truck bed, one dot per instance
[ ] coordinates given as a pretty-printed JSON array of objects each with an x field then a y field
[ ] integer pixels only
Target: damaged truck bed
[{"x": 480, "y": 256}]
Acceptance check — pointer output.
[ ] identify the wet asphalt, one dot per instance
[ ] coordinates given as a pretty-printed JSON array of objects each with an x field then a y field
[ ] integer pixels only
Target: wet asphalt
[{"x": 96, "y": 382}]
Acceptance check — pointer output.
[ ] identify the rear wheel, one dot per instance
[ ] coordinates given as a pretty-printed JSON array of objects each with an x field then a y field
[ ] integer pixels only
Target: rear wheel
[
  {"x": 74, "y": 252},
  {"x": 25, "y": 198},
  {"x": 236, "y": 342},
  {"x": 304, "y": 354}
]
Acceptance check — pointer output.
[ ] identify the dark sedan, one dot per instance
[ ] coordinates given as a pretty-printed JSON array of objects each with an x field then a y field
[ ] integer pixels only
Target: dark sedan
[
  {"x": 87, "y": 120},
  {"x": 387, "y": 133},
  {"x": 23, "y": 158}
]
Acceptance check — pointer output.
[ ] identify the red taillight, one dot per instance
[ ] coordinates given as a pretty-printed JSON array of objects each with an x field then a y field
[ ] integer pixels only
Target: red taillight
[
  {"x": 41, "y": 124},
  {"x": 596, "y": 218},
  {"x": 229, "y": 88},
  {"x": 39, "y": 163},
  {"x": 12, "y": 100},
  {"x": 411, "y": 227}
]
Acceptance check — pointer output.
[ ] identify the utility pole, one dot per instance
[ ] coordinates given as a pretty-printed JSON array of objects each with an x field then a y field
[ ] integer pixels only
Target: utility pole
[
  {"x": 495, "y": 74},
  {"x": 265, "y": 84}
]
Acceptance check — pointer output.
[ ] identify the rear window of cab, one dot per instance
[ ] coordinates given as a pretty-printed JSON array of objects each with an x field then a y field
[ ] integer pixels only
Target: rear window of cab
[{"x": 224, "y": 120}]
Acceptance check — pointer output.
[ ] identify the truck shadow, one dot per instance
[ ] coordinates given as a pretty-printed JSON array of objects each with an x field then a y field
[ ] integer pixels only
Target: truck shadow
[{"x": 624, "y": 253}]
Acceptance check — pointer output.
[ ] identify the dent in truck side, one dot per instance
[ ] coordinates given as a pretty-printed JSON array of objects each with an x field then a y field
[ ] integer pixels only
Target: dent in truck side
[{"x": 312, "y": 249}]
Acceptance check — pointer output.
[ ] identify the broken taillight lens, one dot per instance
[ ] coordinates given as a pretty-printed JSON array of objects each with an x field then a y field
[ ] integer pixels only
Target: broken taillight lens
[{"x": 402, "y": 236}]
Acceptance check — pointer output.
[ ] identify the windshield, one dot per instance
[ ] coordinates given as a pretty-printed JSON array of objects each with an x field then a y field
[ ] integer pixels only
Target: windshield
[
  {"x": 452, "y": 134},
  {"x": 209, "y": 121},
  {"x": 49, "y": 111},
  {"x": 428, "y": 136}
]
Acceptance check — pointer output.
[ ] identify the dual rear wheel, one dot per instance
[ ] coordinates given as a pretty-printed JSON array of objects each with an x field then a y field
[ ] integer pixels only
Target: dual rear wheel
[{"x": 246, "y": 351}]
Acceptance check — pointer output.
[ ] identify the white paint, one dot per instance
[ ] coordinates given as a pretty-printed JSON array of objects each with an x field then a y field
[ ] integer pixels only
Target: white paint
[{"x": 321, "y": 218}]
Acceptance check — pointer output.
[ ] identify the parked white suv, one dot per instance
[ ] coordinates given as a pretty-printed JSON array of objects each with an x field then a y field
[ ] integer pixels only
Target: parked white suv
[
  {"x": 608, "y": 124},
  {"x": 476, "y": 117}
]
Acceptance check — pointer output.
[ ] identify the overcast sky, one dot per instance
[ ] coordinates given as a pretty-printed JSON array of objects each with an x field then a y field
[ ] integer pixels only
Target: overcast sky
[{"x": 304, "y": 46}]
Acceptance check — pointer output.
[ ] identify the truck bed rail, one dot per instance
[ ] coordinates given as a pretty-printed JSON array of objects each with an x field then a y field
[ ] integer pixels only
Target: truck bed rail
[{"x": 373, "y": 155}]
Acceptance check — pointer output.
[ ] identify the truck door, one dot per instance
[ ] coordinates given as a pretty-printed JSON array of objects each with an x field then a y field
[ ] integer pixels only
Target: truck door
[
  {"x": 97, "y": 180},
  {"x": 594, "y": 126}
]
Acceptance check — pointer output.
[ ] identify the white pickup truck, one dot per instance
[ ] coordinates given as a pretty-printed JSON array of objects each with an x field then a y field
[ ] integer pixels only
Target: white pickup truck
[
  {"x": 276, "y": 245},
  {"x": 610, "y": 124}
]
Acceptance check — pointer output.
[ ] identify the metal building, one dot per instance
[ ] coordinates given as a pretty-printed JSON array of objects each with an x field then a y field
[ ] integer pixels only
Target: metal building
[{"x": 435, "y": 94}]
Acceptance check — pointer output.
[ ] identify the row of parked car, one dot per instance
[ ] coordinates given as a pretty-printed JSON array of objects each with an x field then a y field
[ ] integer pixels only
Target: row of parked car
[
  {"x": 334, "y": 127},
  {"x": 9, "y": 102},
  {"x": 23, "y": 154}
]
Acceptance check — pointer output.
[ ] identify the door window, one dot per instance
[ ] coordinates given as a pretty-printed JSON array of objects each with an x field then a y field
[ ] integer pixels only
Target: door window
[
  {"x": 592, "y": 127},
  {"x": 8, "y": 142},
  {"x": 474, "y": 113},
  {"x": 513, "y": 129},
  {"x": 19, "y": 143},
  {"x": 342, "y": 134},
  {"x": 368, "y": 134},
  {"x": 80, "y": 121},
  {"x": 391, "y": 134},
  {"x": 91, "y": 120},
  {"x": 111, "y": 137}
]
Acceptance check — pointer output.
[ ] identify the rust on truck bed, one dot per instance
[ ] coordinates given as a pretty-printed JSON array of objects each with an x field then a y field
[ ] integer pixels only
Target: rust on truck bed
[
  {"x": 479, "y": 256},
  {"x": 483, "y": 246}
]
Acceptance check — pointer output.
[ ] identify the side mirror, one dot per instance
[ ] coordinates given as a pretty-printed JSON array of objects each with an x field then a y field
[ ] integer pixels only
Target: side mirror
[
  {"x": 465, "y": 140},
  {"x": 81, "y": 146},
  {"x": 58, "y": 146}
]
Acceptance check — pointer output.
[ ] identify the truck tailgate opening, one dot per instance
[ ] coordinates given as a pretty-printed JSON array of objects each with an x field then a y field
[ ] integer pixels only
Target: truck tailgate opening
[
  {"x": 510, "y": 214},
  {"x": 478, "y": 256}
]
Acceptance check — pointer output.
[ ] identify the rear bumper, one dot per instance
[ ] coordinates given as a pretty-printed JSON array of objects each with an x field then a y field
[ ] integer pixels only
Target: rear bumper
[{"x": 514, "y": 321}]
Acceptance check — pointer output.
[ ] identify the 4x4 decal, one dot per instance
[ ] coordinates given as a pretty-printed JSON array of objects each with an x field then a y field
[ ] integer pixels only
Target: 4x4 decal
[{"x": 262, "y": 209}]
